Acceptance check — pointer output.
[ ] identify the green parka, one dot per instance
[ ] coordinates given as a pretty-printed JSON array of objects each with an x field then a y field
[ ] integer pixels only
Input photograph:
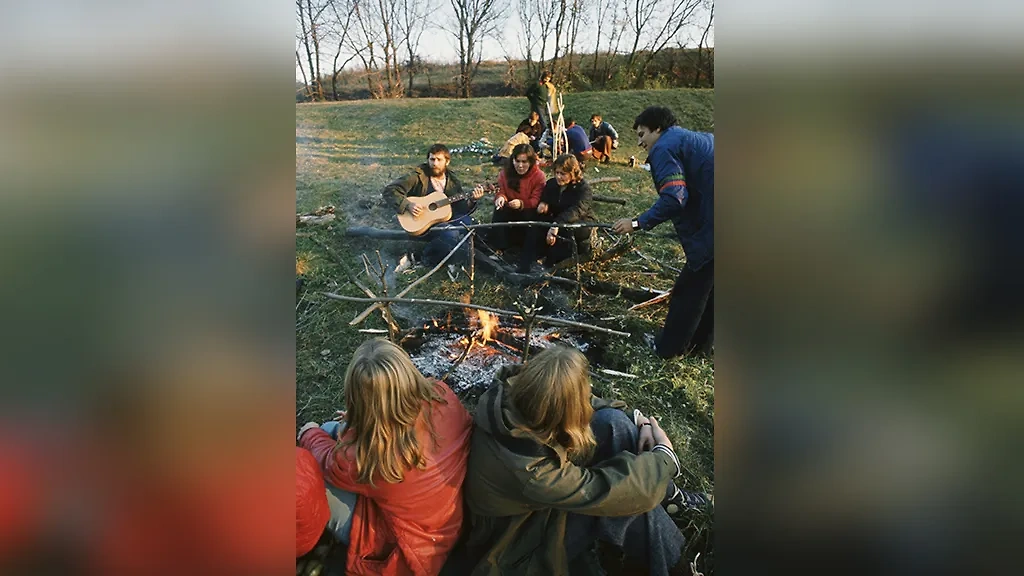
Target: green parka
[
  {"x": 417, "y": 183},
  {"x": 519, "y": 491}
]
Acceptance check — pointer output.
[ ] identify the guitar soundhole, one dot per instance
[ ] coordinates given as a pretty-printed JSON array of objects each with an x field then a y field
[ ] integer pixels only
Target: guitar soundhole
[{"x": 432, "y": 206}]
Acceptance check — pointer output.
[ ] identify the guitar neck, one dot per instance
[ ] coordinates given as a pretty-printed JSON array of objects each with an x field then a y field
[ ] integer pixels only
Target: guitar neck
[{"x": 458, "y": 197}]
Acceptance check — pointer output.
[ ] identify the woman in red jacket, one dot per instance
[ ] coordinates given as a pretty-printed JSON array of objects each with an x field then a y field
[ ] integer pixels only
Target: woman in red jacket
[
  {"x": 520, "y": 183},
  {"x": 396, "y": 467}
]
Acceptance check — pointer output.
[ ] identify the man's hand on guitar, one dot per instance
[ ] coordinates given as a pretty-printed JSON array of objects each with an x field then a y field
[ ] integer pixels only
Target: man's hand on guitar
[
  {"x": 552, "y": 235},
  {"x": 478, "y": 192},
  {"x": 542, "y": 208},
  {"x": 515, "y": 204},
  {"x": 499, "y": 202},
  {"x": 416, "y": 210}
]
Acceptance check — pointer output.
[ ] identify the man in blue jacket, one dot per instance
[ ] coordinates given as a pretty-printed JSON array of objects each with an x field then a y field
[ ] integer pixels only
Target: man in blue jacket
[
  {"x": 579, "y": 144},
  {"x": 683, "y": 168}
]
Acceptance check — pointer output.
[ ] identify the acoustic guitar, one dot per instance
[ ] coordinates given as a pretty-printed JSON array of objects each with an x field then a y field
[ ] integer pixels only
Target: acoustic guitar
[{"x": 437, "y": 208}]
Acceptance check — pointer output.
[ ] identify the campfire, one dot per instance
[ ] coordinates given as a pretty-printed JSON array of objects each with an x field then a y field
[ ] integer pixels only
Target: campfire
[{"x": 469, "y": 354}]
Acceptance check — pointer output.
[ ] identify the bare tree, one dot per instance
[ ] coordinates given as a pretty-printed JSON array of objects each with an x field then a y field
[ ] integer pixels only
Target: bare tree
[
  {"x": 559, "y": 26},
  {"x": 305, "y": 83},
  {"x": 411, "y": 24},
  {"x": 577, "y": 17},
  {"x": 309, "y": 23},
  {"x": 700, "y": 47},
  {"x": 609, "y": 25},
  {"x": 654, "y": 23},
  {"x": 474, "y": 20},
  {"x": 537, "y": 19},
  {"x": 339, "y": 33}
]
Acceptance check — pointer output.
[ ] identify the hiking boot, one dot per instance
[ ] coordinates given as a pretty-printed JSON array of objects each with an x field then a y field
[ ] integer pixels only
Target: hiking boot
[{"x": 686, "y": 500}]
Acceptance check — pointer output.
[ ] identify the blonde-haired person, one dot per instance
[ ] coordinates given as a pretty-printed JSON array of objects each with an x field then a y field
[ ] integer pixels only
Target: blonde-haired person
[
  {"x": 566, "y": 199},
  {"x": 553, "y": 468},
  {"x": 395, "y": 466}
]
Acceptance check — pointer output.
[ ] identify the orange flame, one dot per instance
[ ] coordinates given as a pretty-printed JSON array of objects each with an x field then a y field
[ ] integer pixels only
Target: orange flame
[{"x": 488, "y": 324}]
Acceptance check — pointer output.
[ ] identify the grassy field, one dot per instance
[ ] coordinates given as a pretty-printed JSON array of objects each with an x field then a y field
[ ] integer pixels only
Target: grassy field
[{"x": 346, "y": 152}]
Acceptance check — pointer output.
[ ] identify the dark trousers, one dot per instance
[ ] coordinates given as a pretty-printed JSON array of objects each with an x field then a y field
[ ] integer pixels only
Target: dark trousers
[
  {"x": 537, "y": 246},
  {"x": 441, "y": 242},
  {"x": 690, "y": 324},
  {"x": 651, "y": 537},
  {"x": 514, "y": 236}
]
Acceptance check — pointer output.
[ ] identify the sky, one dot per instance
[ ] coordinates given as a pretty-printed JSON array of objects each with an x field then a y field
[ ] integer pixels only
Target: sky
[{"x": 438, "y": 45}]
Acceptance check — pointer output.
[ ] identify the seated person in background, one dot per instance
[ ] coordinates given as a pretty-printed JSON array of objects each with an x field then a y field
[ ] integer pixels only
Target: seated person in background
[
  {"x": 423, "y": 180},
  {"x": 603, "y": 138},
  {"x": 579, "y": 144},
  {"x": 520, "y": 184},
  {"x": 395, "y": 466},
  {"x": 553, "y": 468},
  {"x": 505, "y": 152},
  {"x": 565, "y": 200},
  {"x": 533, "y": 128}
]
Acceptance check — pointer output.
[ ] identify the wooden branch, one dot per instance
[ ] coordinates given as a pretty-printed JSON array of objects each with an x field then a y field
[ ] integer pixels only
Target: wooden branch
[
  {"x": 609, "y": 200},
  {"x": 525, "y": 223},
  {"x": 498, "y": 311},
  {"x": 385, "y": 234},
  {"x": 658, "y": 262},
  {"x": 604, "y": 179},
  {"x": 362, "y": 316},
  {"x": 654, "y": 300}
]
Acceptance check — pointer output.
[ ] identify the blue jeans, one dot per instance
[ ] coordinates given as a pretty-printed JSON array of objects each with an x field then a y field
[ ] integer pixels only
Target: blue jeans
[
  {"x": 441, "y": 242},
  {"x": 341, "y": 502},
  {"x": 651, "y": 537}
]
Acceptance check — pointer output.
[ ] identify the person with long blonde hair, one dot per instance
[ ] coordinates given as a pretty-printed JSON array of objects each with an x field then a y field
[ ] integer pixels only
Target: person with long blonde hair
[
  {"x": 553, "y": 468},
  {"x": 395, "y": 464}
]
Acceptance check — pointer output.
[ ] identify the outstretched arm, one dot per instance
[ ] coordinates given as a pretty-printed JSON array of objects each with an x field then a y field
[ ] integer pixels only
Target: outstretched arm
[{"x": 670, "y": 181}]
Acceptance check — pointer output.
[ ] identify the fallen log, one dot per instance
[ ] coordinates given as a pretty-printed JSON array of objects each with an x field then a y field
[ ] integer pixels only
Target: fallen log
[{"x": 609, "y": 200}]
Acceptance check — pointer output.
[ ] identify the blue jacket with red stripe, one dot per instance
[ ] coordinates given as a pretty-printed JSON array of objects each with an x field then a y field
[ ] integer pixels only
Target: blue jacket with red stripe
[{"x": 683, "y": 168}]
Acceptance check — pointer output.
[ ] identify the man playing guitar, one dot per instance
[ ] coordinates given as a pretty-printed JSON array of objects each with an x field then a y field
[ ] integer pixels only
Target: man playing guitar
[{"x": 415, "y": 216}]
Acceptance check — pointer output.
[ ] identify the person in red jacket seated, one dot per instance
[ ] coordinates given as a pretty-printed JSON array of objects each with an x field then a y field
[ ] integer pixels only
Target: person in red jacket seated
[
  {"x": 520, "y": 183},
  {"x": 394, "y": 466}
]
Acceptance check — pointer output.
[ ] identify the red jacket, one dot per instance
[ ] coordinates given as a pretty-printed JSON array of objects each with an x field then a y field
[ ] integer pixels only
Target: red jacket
[
  {"x": 530, "y": 187},
  {"x": 410, "y": 527}
]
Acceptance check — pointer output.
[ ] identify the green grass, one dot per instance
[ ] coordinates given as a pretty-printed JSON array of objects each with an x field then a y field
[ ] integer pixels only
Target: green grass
[{"x": 346, "y": 152}]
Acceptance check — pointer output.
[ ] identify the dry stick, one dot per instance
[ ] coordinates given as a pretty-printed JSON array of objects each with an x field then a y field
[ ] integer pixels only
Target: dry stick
[
  {"x": 498, "y": 311},
  {"x": 393, "y": 327},
  {"x": 472, "y": 265},
  {"x": 654, "y": 300},
  {"x": 362, "y": 316},
  {"x": 576, "y": 259},
  {"x": 605, "y": 179},
  {"x": 609, "y": 200},
  {"x": 659, "y": 263},
  {"x": 465, "y": 353},
  {"x": 524, "y": 223},
  {"x": 344, "y": 267}
]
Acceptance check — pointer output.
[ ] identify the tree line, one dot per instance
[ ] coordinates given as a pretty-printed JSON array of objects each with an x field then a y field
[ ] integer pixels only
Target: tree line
[{"x": 598, "y": 44}]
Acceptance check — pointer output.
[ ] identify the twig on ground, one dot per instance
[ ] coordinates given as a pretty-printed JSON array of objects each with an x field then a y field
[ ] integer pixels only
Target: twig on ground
[
  {"x": 654, "y": 300},
  {"x": 617, "y": 373},
  {"x": 658, "y": 262},
  {"x": 472, "y": 341},
  {"x": 362, "y": 316},
  {"x": 498, "y": 311}
]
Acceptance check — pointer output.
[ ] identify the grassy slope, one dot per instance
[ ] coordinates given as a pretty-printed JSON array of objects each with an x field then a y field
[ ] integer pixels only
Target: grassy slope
[{"x": 346, "y": 152}]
